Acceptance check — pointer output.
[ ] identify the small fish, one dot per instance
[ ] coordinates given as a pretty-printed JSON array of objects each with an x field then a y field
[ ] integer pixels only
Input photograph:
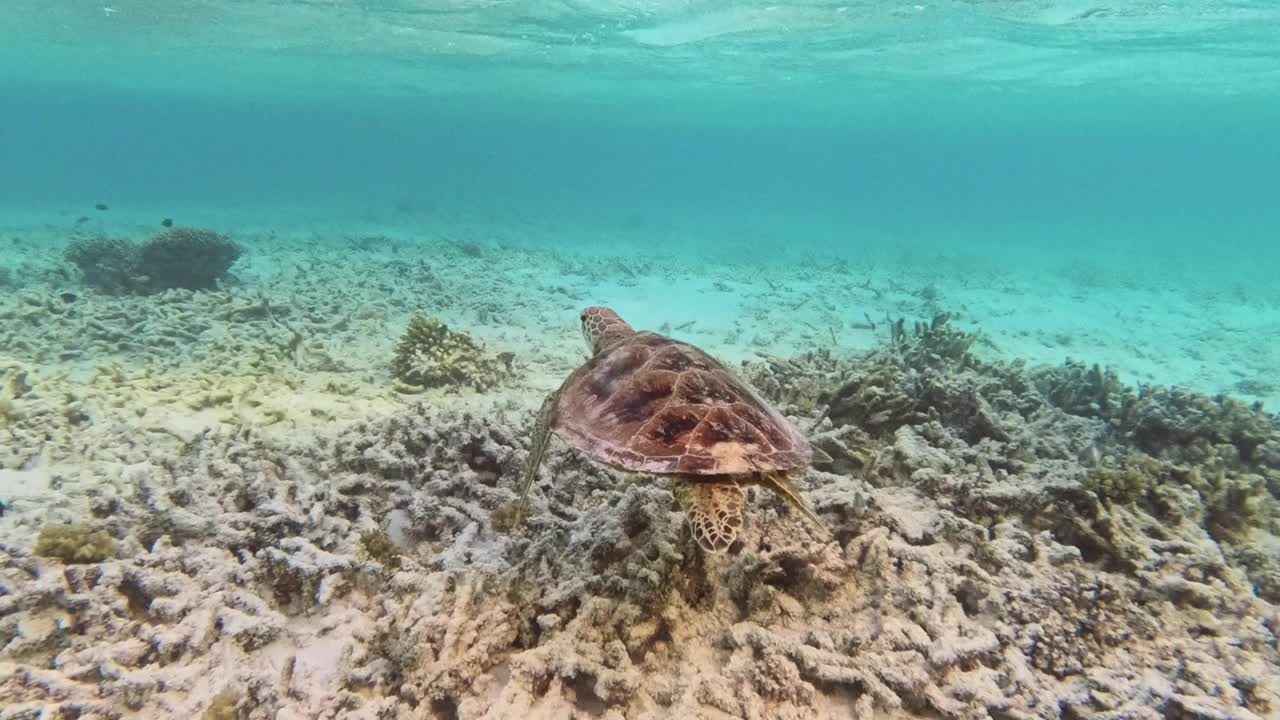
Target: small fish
[
  {"x": 82, "y": 220},
  {"x": 167, "y": 222},
  {"x": 68, "y": 297},
  {"x": 1090, "y": 455},
  {"x": 102, "y": 206}
]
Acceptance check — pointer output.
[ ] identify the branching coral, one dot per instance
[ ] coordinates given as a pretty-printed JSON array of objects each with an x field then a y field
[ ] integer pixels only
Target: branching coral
[
  {"x": 1183, "y": 425},
  {"x": 432, "y": 355},
  {"x": 924, "y": 372},
  {"x": 932, "y": 344},
  {"x": 1213, "y": 462},
  {"x": 1086, "y": 390}
]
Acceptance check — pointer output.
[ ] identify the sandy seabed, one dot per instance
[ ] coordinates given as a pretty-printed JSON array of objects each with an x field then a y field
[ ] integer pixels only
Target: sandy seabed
[{"x": 291, "y": 535}]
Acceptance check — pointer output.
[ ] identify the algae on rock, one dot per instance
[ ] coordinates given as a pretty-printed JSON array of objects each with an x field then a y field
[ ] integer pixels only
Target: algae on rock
[
  {"x": 431, "y": 355},
  {"x": 377, "y": 546},
  {"x": 74, "y": 544},
  {"x": 226, "y": 706}
]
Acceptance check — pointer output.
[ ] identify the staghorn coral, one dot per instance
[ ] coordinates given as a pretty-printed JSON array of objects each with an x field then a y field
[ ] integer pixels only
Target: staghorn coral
[
  {"x": 431, "y": 355},
  {"x": 926, "y": 374},
  {"x": 1085, "y": 390},
  {"x": 935, "y": 343}
]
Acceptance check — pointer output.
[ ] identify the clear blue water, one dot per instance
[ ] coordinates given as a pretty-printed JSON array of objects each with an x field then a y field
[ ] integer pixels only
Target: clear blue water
[
  {"x": 1094, "y": 180},
  {"x": 1186, "y": 171},
  {"x": 1117, "y": 127}
]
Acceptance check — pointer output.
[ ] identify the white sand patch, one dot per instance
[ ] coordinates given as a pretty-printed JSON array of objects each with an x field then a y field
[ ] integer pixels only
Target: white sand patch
[{"x": 28, "y": 484}]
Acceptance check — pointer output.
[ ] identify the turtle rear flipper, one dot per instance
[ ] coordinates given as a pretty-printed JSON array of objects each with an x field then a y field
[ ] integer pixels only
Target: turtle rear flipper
[
  {"x": 714, "y": 509},
  {"x": 781, "y": 484},
  {"x": 538, "y": 448}
]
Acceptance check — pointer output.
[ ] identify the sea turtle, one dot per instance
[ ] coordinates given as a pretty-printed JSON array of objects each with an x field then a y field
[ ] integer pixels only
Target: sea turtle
[{"x": 647, "y": 403}]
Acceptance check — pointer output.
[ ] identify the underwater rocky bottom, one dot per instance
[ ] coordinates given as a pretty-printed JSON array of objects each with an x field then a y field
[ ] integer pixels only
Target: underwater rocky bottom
[{"x": 1011, "y": 543}]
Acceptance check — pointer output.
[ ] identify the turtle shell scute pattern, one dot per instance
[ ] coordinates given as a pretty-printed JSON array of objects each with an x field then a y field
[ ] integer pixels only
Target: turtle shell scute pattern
[{"x": 653, "y": 404}]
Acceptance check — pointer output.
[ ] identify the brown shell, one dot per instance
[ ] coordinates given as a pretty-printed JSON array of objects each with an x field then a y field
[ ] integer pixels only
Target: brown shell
[{"x": 657, "y": 405}]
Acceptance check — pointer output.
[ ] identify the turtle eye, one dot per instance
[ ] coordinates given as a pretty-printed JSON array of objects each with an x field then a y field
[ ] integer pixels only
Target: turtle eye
[{"x": 583, "y": 317}]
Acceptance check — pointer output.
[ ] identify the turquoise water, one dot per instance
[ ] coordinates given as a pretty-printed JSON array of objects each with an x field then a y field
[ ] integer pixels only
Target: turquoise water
[
  {"x": 1116, "y": 146},
  {"x": 1108, "y": 127},
  {"x": 284, "y": 284},
  {"x": 1183, "y": 173}
]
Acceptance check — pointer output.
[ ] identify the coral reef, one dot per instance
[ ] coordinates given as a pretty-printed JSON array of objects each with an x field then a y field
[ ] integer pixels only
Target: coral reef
[
  {"x": 1002, "y": 549},
  {"x": 1170, "y": 423},
  {"x": 1086, "y": 390},
  {"x": 188, "y": 258},
  {"x": 933, "y": 343},
  {"x": 1129, "y": 448},
  {"x": 1033, "y": 564},
  {"x": 921, "y": 374},
  {"x": 106, "y": 264},
  {"x": 431, "y": 355}
]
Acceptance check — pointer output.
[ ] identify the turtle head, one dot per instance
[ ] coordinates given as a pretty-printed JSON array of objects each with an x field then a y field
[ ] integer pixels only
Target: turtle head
[{"x": 602, "y": 327}]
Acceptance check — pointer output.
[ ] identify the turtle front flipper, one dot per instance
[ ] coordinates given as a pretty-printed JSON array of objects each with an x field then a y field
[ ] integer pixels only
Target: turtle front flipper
[
  {"x": 541, "y": 436},
  {"x": 714, "y": 509}
]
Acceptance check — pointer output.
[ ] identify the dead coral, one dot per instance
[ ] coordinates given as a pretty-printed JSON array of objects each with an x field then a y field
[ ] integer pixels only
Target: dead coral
[
  {"x": 935, "y": 343},
  {"x": 1086, "y": 390},
  {"x": 923, "y": 413},
  {"x": 927, "y": 372},
  {"x": 1182, "y": 426},
  {"x": 972, "y": 577},
  {"x": 802, "y": 382},
  {"x": 431, "y": 355},
  {"x": 1166, "y": 422}
]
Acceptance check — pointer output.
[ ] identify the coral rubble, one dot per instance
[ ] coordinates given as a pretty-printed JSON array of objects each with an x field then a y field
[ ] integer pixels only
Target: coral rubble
[{"x": 1003, "y": 548}]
